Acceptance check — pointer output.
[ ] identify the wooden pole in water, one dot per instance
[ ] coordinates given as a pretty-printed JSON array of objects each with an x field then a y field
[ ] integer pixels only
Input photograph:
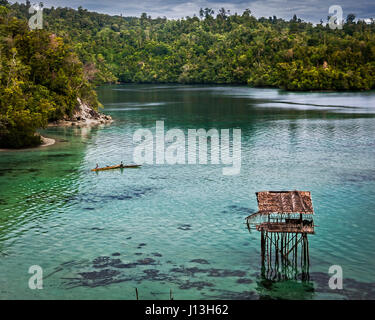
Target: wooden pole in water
[
  {"x": 308, "y": 253},
  {"x": 287, "y": 245},
  {"x": 301, "y": 252},
  {"x": 308, "y": 259},
  {"x": 277, "y": 251},
  {"x": 271, "y": 253},
  {"x": 262, "y": 247},
  {"x": 305, "y": 245},
  {"x": 268, "y": 252},
  {"x": 136, "y": 293},
  {"x": 271, "y": 236},
  {"x": 283, "y": 244},
  {"x": 296, "y": 255}
]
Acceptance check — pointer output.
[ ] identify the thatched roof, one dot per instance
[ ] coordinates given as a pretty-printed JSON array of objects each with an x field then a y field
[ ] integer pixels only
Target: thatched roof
[{"x": 284, "y": 202}]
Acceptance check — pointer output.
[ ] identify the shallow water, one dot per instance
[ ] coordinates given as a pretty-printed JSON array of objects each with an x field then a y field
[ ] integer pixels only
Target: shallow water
[{"x": 182, "y": 227}]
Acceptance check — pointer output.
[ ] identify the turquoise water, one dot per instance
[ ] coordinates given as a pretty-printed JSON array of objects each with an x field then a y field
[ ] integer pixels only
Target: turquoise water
[{"x": 182, "y": 227}]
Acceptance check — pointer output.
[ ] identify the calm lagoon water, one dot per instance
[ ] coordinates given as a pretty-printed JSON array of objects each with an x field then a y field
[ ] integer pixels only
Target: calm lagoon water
[{"x": 182, "y": 227}]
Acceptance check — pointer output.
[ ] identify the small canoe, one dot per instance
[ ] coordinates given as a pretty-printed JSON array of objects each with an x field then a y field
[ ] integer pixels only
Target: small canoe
[{"x": 119, "y": 166}]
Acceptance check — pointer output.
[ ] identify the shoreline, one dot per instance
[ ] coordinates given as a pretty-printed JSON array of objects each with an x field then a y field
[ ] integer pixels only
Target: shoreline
[
  {"x": 210, "y": 84},
  {"x": 84, "y": 116},
  {"x": 81, "y": 123},
  {"x": 46, "y": 142}
]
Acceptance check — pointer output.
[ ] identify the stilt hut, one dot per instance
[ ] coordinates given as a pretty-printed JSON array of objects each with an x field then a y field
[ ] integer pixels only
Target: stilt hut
[{"x": 284, "y": 218}]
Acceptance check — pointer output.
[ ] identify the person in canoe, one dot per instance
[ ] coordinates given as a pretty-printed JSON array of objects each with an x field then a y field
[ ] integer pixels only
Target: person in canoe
[
  {"x": 121, "y": 165},
  {"x": 97, "y": 166}
]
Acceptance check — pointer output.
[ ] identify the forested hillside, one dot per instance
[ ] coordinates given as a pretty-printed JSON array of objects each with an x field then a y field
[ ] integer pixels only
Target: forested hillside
[
  {"x": 218, "y": 48},
  {"x": 41, "y": 73},
  {"x": 40, "y": 81}
]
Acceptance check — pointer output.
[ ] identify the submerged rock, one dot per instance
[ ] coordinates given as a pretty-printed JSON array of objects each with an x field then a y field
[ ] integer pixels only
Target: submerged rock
[
  {"x": 197, "y": 285},
  {"x": 101, "y": 262},
  {"x": 244, "y": 281},
  {"x": 201, "y": 261},
  {"x": 146, "y": 261},
  {"x": 157, "y": 254},
  {"x": 220, "y": 273},
  {"x": 99, "y": 275},
  {"x": 125, "y": 265}
]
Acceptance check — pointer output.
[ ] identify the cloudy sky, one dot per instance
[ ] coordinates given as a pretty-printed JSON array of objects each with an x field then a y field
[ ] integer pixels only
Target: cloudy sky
[{"x": 308, "y": 10}]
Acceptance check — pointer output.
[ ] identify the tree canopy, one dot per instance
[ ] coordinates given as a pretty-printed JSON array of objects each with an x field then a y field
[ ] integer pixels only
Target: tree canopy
[
  {"x": 40, "y": 81},
  {"x": 220, "y": 47}
]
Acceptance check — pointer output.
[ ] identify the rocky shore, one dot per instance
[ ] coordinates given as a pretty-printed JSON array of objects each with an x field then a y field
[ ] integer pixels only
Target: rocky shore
[{"x": 83, "y": 116}]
